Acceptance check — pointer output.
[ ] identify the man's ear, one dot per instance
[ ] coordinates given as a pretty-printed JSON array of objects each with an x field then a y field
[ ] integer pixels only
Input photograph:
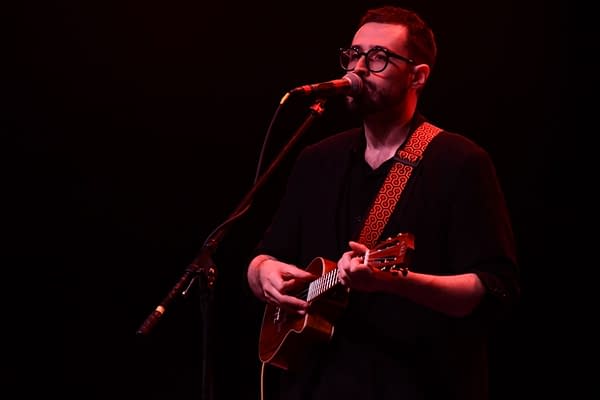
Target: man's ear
[{"x": 420, "y": 75}]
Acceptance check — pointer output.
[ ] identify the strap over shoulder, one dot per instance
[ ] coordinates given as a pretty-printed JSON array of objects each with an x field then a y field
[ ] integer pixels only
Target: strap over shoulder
[{"x": 383, "y": 205}]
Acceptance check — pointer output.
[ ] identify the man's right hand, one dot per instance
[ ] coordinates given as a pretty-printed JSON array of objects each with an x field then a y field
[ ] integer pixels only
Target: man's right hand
[{"x": 277, "y": 282}]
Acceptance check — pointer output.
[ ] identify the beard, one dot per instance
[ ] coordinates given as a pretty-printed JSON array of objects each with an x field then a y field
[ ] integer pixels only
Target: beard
[{"x": 373, "y": 100}]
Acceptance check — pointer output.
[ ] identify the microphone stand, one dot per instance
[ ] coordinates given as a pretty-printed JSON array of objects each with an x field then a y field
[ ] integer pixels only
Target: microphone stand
[{"x": 203, "y": 269}]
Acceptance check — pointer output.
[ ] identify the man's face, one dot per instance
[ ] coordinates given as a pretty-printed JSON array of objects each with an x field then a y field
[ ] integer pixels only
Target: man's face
[{"x": 388, "y": 88}]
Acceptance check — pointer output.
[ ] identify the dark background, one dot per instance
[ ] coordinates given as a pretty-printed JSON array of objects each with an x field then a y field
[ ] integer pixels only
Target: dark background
[{"x": 133, "y": 129}]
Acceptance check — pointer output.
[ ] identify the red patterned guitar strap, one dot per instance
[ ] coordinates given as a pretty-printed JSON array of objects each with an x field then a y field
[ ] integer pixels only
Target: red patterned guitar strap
[{"x": 408, "y": 158}]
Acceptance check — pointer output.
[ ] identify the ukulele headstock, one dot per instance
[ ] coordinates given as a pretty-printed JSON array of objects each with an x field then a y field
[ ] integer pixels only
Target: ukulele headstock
[{"x": 393, "y": 254}]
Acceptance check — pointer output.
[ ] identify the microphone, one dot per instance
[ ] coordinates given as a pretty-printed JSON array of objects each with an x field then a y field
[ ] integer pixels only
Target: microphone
[{"x": 349, "y": 85}]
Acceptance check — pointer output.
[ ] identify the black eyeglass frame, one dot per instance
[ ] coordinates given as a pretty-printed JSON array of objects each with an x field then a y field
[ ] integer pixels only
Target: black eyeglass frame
[{"x": 387, "y": 52}]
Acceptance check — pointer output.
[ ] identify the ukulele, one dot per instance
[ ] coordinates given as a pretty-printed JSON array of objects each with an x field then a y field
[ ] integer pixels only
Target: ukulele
[{"x": 284, "y": 336}]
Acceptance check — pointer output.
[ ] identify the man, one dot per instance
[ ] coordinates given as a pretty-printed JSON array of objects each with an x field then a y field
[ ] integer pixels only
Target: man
[{"x": 417, "y": 333}]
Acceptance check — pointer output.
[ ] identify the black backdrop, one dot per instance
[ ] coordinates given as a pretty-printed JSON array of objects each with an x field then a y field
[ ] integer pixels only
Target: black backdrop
[{"x": 134, "y": 130}]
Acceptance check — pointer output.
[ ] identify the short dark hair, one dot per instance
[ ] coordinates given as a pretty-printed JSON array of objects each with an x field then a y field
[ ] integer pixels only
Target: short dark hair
[{"x": 421, "y": 40}]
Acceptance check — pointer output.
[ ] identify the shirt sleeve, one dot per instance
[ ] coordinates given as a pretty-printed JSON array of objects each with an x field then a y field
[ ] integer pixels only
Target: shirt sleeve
[
  {"x": 283, "y": 235},
  {"x": 483, "y": 234}
]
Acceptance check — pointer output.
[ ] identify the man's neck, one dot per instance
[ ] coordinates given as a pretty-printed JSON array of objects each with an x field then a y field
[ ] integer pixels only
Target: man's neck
[{"x": 384, "y": 138}]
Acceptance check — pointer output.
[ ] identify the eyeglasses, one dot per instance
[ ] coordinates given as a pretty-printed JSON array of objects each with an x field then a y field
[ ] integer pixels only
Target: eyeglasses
[{"x": 377, "y": 58}]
